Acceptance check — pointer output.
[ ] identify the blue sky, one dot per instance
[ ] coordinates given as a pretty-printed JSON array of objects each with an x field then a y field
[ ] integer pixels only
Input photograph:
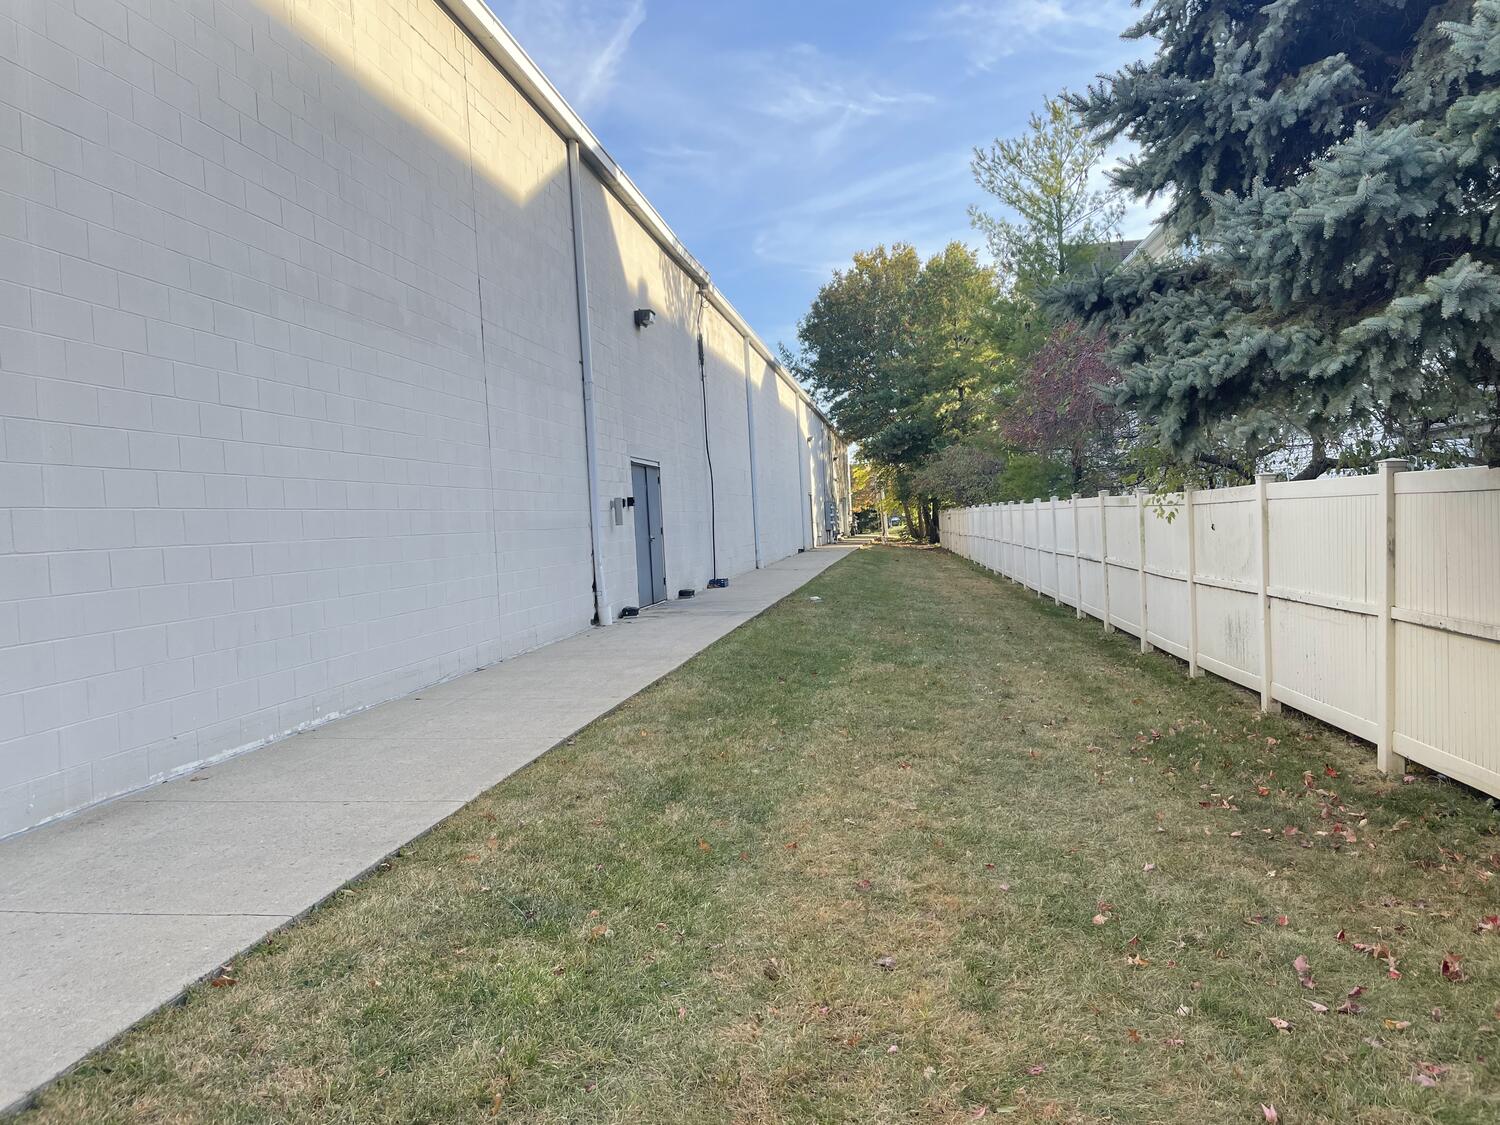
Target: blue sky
[{"x": 778, "y": 137}]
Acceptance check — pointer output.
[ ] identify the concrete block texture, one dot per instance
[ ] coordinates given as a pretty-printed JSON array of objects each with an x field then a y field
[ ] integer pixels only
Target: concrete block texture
[{"x": 290, "y": 371}]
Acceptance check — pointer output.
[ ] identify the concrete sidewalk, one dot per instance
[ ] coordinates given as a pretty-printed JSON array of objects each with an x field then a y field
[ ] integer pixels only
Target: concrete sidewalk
[{"x": 108, "y": 915}]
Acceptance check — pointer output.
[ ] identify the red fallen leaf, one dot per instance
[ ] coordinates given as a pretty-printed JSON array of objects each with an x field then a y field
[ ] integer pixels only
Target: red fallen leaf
[
  {"x": 1263, "y": 790},
  {"x": 1357, "y": 991},
  {"x": 704, "y": 845},
  {"x": 1289, "y": 831},
  {"x": 989, "y": 867},
  {"x": 1340, "y": 936},
  {"x": 1133, "y": 1035},
  {"x": 1349, "y": 1008},
  {"x": 979, "y": 1111},
  {"x": 1282, "y": 920},
  {"x": 904, "y": 765},
  {"x": 1330, "y": 771},
  {"x": 1036, "y": 1069},
  {"x": 1279, "y": 1024},
  {"x": 790, "y": 846},
  {"x": 863, "y": 886},
  {"x": 1100, "y": 919},
  {"x": 1271, "y": 1114},
  {"x": 1490, "y": 923},
  {"x": 224, "y": 981},
  {"x": 1453, "y": 968},
  {"x": 1005, "y": 887}
]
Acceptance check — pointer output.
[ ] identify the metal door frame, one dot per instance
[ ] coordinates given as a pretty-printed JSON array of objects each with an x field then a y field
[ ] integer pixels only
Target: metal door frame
[{"x": 656, "y": 550}]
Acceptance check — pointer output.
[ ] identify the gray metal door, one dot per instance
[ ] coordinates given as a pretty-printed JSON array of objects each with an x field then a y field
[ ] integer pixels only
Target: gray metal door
[{"x": 650, "y": 546}]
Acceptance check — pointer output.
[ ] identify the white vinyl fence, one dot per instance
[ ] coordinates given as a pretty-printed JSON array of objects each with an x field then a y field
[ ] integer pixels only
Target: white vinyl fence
[{"x": 1372, "y": 603}]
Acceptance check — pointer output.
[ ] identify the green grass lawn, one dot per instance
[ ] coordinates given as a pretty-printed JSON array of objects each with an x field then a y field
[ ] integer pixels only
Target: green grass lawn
[{"x": 925, "y": 850}]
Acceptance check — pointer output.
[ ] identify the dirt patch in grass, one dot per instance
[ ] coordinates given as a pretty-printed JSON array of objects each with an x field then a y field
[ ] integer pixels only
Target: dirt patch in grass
[{"x": 925, "y": 850}]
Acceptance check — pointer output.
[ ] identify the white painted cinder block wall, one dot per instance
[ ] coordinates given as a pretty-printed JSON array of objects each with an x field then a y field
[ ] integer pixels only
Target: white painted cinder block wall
[{"x": 290, "y": 408}]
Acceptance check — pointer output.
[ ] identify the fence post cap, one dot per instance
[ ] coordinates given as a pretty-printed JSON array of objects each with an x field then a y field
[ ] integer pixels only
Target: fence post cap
[{"x": 1393, "y": 464}]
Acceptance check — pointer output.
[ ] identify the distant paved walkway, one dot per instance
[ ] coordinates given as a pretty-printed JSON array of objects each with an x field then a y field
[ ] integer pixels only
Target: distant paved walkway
[{"x": 107, "y": 915}]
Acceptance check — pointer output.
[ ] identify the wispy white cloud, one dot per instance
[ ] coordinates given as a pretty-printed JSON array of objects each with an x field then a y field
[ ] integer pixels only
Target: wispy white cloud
[
  {"x": 921, "y": 202},
  {"x": 583, "y": 42},
  {"x": 991, "y": 31}
]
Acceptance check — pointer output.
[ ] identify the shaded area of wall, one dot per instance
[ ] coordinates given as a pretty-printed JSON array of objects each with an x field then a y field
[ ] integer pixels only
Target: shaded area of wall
[{"x": 289, "y": 378}]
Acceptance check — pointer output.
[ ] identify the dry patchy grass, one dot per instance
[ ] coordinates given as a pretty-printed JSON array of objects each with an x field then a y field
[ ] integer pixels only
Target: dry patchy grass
[{"x": 926, "y": 850}]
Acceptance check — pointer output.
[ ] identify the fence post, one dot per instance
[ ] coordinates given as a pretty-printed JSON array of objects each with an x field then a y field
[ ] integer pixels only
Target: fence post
[
  {"x": 1263, "y": 516},
  {"x": 1189, "y": 508},
  {"x": 1036, "y": 511},
  {"x": 1140, "y": 517},
  {"x": 1386, "y": 758},
  {"x": 1077, "y": 561},
  {"x": 1017, "y": 572},
  {"x": 1109, "y": 625},
  {"x": 1056, "y": 559}
]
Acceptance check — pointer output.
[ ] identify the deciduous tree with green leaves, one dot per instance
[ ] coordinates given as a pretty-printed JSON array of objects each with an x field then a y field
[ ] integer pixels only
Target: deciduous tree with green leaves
[
  {"x": 903, "y": 354},
  {"x": 1048, "y": 180},
  {"x": 1334, "y": 169}
]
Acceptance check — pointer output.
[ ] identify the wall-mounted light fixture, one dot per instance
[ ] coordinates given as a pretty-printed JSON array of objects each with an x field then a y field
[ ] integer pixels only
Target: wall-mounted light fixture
[{"x": 644, "y": 318}]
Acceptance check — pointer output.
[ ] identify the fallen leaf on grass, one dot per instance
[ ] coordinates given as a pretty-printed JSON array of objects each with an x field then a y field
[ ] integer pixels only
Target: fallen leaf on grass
[
  {"x": 1036, "y": 1069},
  {"x": 1396, "y": 1025},
  {"x": 704, "y": 845},
  {"x": 1279, "y": 1024},
  {"x": 1489, "y": 924},
  {"x": 1453, "y": 969},
  {"x": 1321, "y": 1009},
  {"x": 1428, "y": 1074},
  {"x": 1271, "y": 1114},
  {"x": 886, "y": 963},
  {"x": 864, "y": 886},
  {"x": 1304, "y": 972},
  {"x": 1132, "y": 1035}
]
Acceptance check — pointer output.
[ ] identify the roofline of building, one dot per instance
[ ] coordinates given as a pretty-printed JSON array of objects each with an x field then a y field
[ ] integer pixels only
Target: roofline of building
[{"x": 485, "y": 28}]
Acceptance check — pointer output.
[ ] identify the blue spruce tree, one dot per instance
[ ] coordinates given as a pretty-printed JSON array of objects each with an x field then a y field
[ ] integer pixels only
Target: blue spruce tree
[{"x": 1332, "y": 169}]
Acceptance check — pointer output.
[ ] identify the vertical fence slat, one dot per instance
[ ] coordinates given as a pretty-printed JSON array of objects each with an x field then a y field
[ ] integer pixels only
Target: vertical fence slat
[
  {"x": 1077, "y": 559},
  {"x": 1056, "y": 559},
  {"x": 1386, "y": 758},
  {"x": 1140, "y": 519},
  {"x": 1109, "y": 624},
  {"x": 1263, "y": 517},
  {"x": 1190, "y": 521}
]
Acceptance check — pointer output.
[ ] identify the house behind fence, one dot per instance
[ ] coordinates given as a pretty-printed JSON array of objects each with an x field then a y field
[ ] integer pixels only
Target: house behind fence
[{"x": 1371, "y": 602}]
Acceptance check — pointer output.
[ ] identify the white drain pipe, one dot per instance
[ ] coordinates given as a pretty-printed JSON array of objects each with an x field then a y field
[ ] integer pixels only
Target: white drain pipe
[{"x": 586, "y": 362}]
